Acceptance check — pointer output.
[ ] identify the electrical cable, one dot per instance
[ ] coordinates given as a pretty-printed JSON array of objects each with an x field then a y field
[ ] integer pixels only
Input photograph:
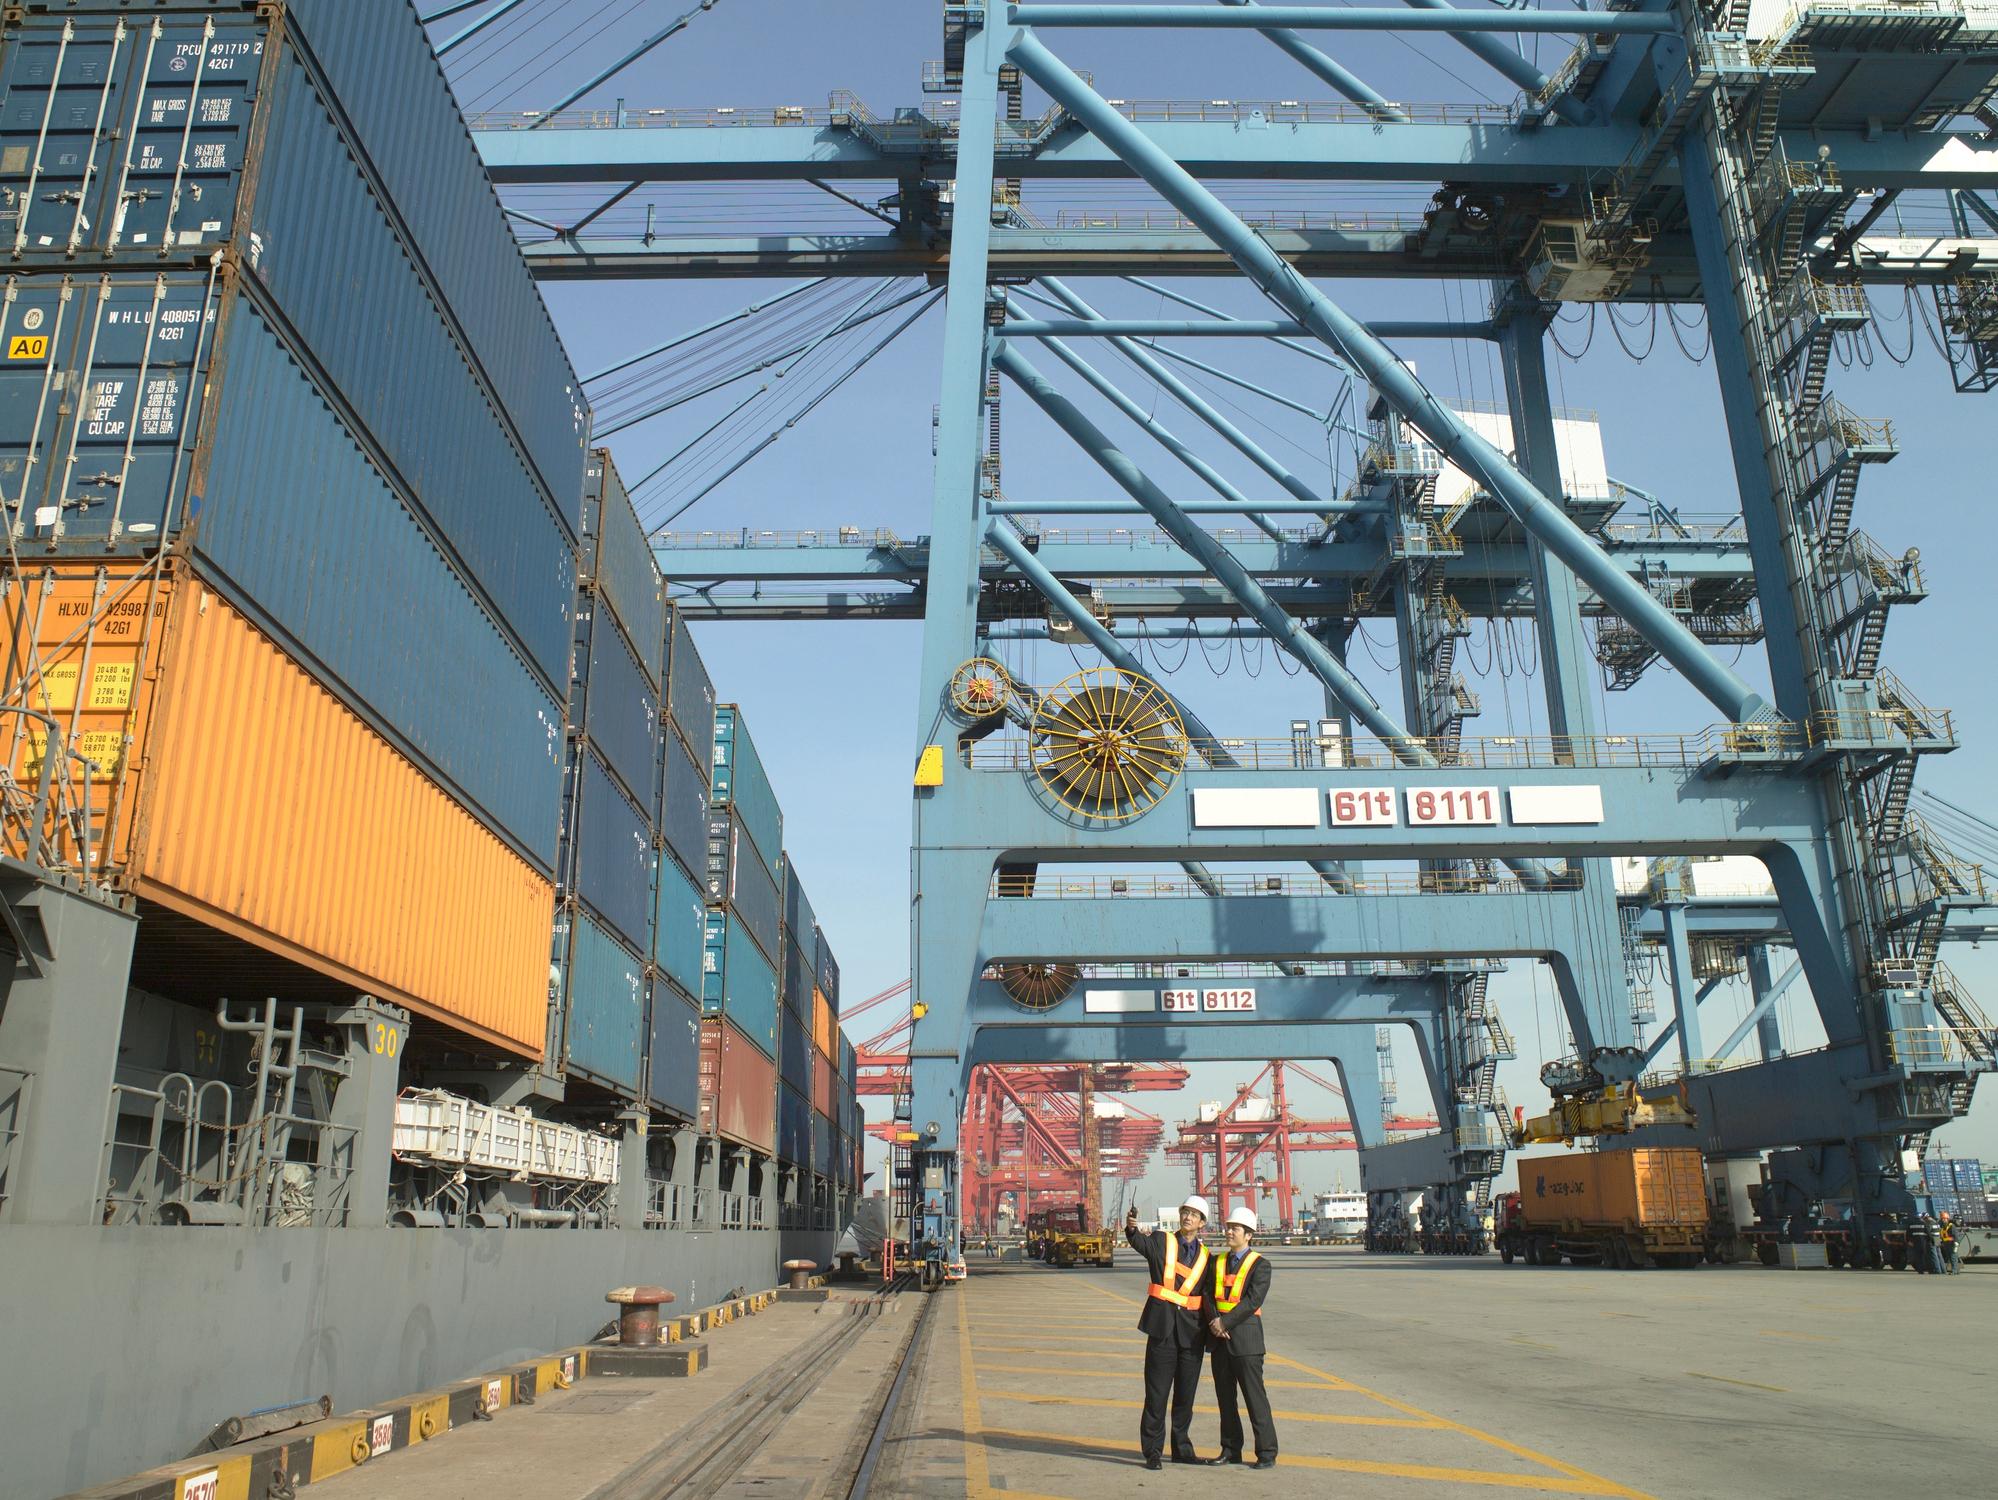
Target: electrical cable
[{"x": 1588, "y": 343}]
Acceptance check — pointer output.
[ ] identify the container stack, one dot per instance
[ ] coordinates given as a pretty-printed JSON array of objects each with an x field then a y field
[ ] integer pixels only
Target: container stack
[
  {"x": 828, "y": 1088},
  {"x": 679, "y": 925},
  {"x": 297, "y": 453},
  {"x": 846, "y": 1175},
  {"x": 740, "y": 944},
  {"x": 794, "y": 1098},
  {"x": 1955, "y": 1187},
  {"x": 607, "y": 872}
]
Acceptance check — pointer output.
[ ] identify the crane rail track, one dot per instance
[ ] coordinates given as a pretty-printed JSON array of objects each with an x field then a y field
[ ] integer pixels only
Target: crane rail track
[{"x": 695, "y": 1466}]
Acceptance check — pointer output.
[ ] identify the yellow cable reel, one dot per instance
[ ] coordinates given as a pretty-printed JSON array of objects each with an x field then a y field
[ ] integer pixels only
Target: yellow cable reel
[
  {"x": 1108, "y": 743},
  {"x": 1038, "y": 986}
]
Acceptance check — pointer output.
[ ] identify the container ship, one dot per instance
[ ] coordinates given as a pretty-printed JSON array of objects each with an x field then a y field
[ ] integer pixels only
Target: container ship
[{"x": 402, "y": 945}]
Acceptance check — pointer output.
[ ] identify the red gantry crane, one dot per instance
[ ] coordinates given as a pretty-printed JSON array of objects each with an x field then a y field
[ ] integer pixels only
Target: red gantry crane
[
  {"x": 1243, "y": 1153},
  {"x": 1031, "y": 1133}
]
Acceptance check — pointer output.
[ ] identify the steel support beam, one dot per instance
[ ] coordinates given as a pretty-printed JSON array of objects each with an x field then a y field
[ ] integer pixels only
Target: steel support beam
[{"x": 1397, "y": 384}]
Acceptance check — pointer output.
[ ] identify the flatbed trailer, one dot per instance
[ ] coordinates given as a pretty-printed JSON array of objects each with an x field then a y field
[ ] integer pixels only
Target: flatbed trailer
[{"x": 1629, "y": 1208}]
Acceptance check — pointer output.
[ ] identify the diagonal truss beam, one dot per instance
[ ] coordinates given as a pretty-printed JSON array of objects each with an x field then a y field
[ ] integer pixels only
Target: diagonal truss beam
[
  {"x": 1477, "y": 456},
  {"x": 1328, "y": 70}
]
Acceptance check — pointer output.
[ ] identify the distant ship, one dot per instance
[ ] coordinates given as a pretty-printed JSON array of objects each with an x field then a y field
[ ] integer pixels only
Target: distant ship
[{"x": 1342, "y": 1215}]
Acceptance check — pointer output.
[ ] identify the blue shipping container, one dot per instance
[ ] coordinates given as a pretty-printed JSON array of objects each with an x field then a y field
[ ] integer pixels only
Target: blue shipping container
[
  {"x": 798, "y": 914},
  {"x": 826, "y": 972},
  {"x": 139, "y": 347},
  {"x": 794, "y": 1043},
  {"x": 796, "y": 988},
  {"x": 604, "y": 1026},
  {"x": 690, "y": 694},
  {"x": 679, "y": 926},
  {"x": 741, "y": 783},
  {"x": 683, "y": 808},
  {"x": 611, "y": 863},
  {"x": 318, "y": 548},
  {"x": 824, "y": 1135},
  {"x": 612, "y": 704},
  {"x": 737, "y": 982},
  {"x": 794, "y": 1127},
  {"x": 384, "y": 69},
  {"x": 675, "y": 1085},
  {"x": 738, "y": 879},
  {"x": 617, "y": 557},
  {"x": 319, "y": 238}
]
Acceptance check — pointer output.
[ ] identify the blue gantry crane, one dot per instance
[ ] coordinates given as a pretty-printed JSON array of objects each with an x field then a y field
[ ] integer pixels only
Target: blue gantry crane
[{"x": 1682, "y": 154}]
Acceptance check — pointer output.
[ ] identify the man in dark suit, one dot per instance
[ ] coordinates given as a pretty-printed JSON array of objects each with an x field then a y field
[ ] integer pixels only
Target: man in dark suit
[
  {"x": 1171, "y": 1325},
  {"x": 1234, "y": 1313}
]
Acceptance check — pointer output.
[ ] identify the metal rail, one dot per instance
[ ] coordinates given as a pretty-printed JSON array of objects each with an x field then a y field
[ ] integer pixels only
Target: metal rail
[{"x": 709, "y": 1464}]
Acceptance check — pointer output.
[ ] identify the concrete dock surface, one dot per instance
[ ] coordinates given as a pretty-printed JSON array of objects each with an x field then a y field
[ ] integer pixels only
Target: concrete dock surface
[{"x": 1389, "y": 1375}]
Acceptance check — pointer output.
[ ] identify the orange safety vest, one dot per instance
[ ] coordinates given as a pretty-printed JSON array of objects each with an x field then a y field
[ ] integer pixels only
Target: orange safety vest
[
  {"x": 1184, "y": 1294},
  {"x": 1226, "y": 1296}
]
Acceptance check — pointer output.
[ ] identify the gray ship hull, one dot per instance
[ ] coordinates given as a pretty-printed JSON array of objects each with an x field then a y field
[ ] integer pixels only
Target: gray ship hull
[{"x": 124, "y": 1347}]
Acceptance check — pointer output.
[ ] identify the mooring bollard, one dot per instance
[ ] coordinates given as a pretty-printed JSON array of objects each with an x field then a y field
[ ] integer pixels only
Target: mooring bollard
[
  {"x": 638, "y": 1313},
  {"x": 800, "y": 1273}
]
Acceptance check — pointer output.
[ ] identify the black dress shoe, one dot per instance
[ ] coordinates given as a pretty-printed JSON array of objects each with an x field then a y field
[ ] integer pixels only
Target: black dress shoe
[
  {"x": 1188, "y": 1458},
  {"x": 1225, "y": 1457},
  {"x": 1264, "y": 1463},
  {"x": 1152, "y": 1461}
]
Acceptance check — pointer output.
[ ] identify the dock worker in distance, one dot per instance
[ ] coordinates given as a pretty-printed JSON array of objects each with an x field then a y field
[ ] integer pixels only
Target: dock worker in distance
[
  {"x": 1234, "y": 1314},
  {"x": 1171, "y": 1325}
]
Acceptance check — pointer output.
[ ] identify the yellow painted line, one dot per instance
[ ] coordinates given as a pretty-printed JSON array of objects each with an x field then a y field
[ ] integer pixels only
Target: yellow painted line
[
  {"x": 1043, "y": 1398},
  {"x": 1726, "y": 1380},
  {"x": 1135, "y": 1339},
  {"x": 1047, "y": 1372},
  {"x": 1430, "y": 1473},
  {"x": 1532, "y": 1344},
  {"x": 1601, "y": 1486}
]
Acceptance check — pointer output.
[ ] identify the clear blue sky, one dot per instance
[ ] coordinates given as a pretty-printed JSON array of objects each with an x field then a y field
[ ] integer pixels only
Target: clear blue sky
[{"x": 830, "y": 704}]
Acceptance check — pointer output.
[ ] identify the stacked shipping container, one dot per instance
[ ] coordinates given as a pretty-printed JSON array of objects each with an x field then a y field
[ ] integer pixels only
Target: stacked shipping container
[
  {"x": 368, "y": 511},
  {"x": 299, "y": 466},
  {"x": 607, "y": 874}
]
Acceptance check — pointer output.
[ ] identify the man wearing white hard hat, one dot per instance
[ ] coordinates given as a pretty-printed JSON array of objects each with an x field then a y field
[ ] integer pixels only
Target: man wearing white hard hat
[
  {"x": 1234, "y": 1314},
  {"x": 1171, "y": 1325}
]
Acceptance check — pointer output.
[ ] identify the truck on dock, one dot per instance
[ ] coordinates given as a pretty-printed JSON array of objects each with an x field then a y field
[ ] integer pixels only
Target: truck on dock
[
  {"x": 1065, "y": 1239},
  {"x": 1641, "y": 1207}
]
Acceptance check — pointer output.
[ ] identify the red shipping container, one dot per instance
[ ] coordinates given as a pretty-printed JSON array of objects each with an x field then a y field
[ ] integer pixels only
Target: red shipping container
[
  {"x": 823, "y": 1074},
  {"x": 738, "y": 1088}
]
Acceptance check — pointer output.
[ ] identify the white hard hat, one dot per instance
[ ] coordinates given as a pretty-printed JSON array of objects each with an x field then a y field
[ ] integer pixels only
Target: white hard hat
[
  {"x": 1246, "y": 1217},
  {"x": 1198, "y": 1204}
]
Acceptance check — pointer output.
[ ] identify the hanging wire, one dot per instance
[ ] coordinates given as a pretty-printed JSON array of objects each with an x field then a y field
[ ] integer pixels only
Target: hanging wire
[
  {"x": 1908, "y": 317},
  {"x": 1699, "y": 321},
  {"x": 1617, "y": 325},
  {"x": 1587, "y": 343}
]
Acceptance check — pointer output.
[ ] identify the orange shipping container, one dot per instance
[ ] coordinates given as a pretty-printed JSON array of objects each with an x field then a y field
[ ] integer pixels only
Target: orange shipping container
[
  {"x": 233, "y": 789},
  {"x": 1657, "y": 1186},
  {"x": 824, "y": 1030}
]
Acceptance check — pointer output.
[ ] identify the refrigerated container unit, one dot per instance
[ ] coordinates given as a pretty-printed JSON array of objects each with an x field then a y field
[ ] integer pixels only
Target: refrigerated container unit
[
  {"x": 738, "y": 982},
  {"x": 673, "y": 1077},
  {"x": 738, "y": 880},
  {"x": 605, "y": 995},
  {"x": 206, "y": 733},
  {"x": 690, "y": 693},
  {"x": 738, "y": 1088},
  {"x": 617, "y": 565},
  {"x": 741, "y": 784}
]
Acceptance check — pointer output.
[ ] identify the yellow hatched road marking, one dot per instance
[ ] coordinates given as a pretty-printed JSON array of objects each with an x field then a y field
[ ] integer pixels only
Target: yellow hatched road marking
[
  {"x": 1043, "y": 1398},
  {"x": 977, "y": 1471},
  {"x": 1433, "y": 1473},
  {"x": 1038, "y": 1339}
]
